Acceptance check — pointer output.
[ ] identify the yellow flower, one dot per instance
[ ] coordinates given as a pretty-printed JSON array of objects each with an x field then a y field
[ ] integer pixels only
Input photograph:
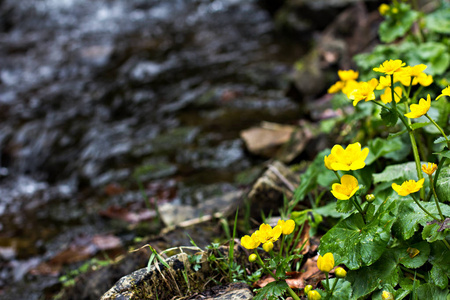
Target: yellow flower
[
  {"x": 405, "y": 74},
  {"x": 340, "y": 272},
  {"x": 267, "y": 234},
  {"x": 418, "y": 110},
  {"x": 424, "y": 79},
  {"x": 352, "y": 158},
  {"x": 349, "y": 86},
  {"x": 385, "y": 81},
  {"x": 346, "y": 189},
  {"x": 308, "y": 288},
  {"x": 389, "y": 67},
  {"x": 408, "y": 187},
  {"x": 267, "y": 246},
  {"x": 325, "y": 263},
  {"x": 250, "y": 242},
  {"x": 287, "y": 227},
  {"x": 429, "y": 169},
  {"x": 314, "y": 295},
  {"x": 387, "y": 296},
  {"x": 336, "y": 87},
  {"x": 383, "y": 9},
  {"x": 364, "y": 91},
  {"x": 252, "y": 257},
  {"x": 445, "y": 92},
  {"x": 346, "y": 75},
  {"x": 387, "y": 96}
]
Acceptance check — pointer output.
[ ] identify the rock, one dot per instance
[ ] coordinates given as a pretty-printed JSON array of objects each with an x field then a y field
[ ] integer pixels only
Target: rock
[
  {"x": 159, "y": 282},
  {"x": 282, "y": 142},
  {"x": 175, "y": 214},
  {"x": 268, "y": 191}
]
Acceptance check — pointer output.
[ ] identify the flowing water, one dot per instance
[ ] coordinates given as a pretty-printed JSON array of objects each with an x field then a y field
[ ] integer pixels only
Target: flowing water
[{"x": 94, "y": 93}]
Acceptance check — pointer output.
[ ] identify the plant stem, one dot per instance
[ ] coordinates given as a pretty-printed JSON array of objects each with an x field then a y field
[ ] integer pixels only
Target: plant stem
[
  {"x": 436, "y": 197},
  {"x": 411, "y": 272},
  {"x": 292, "y": 293},
  {"x": 440, "y": 129},
  {"x": 422, "y": 208},
  {"x": 358, "y": 207},
  {"x": 263, "y": 265},
  {"x": 328, "y": 282},
  {"x": 281, "y": 246},
  {"x": 446, "y": 244},
  {"x": 332, "y": 289},
  {"x": 438, "y": 171},
  {"x": 337, "y": 175}
]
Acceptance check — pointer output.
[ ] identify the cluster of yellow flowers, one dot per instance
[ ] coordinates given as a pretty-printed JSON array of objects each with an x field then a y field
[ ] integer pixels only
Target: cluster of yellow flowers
[
  {"x": 412, "y": 186},
  {"x": 340, "y": 159},
  {"x": 325, "y": 264},
  {"x": 267, "y": 235},
  {"x": 406, "y": 75}
]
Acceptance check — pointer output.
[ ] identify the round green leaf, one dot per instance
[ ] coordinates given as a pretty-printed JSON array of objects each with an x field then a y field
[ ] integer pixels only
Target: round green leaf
[{"x": 356, "y": 244}]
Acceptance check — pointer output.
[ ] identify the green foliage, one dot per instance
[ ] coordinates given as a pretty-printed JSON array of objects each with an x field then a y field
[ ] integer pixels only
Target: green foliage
[
  {"x": 410, "y": 216},
  {"x": 438, "y": 21},
  {"x": 398, "y": 23},
  {"x": 272, "y": 291},
  {"x": 380, "y": 147},
  {"x": 356, "y": 244},
  {"x": 443, "y": 184}
]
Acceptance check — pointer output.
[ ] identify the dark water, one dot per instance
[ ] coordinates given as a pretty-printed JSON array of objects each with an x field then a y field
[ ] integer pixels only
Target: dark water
[{"x": 94, "y": 92}]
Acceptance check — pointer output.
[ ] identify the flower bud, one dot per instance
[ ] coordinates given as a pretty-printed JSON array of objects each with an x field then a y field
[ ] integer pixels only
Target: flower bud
[
  {"x": 268, "y": 246},
  {"x": 340, "y": 272},
  {"x": 308, "y": 288},
  {"x": 383, "y": 9},
  {"x": 252, "y": 257},
  {"x": 325, "y": 263},
  {"x": 370, "y": 198},
  {"x": 387, "y": 296},
  {"x": 314, "y": 295}
]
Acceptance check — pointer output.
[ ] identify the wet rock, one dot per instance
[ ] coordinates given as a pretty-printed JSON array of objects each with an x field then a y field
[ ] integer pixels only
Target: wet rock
[
  {"x": 267, "y": 193},
  {"x": 221, "y": 206},
  {"x": 165, "y": 283},
  {"x": 282, "y": 142}
]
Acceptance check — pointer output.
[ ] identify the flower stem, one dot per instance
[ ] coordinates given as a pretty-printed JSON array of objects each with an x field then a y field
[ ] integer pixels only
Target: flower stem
[
  {"x": 411, "y": 272},
  {"x": 446, "y": 244},
  {"x": 292, "y": 293},
  {"x": 422, "y": 208},
  {"x": 440, "y": 129},
  {"x": 332, "y": 289},
  {"x": 328, "y": 282},
  {"x": 436, "y": 197},
  {"x": 358, "y": 207},
  {"x": 337, "y": 175},
  {"x": 281, "y": 247},
  {"x": 263, "y": 265}
]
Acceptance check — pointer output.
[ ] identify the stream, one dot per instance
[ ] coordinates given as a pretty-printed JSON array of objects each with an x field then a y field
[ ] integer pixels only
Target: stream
[{"x": 98, "y": 97}]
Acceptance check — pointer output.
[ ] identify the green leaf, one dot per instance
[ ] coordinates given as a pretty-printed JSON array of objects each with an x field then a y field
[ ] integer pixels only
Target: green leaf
[
  {"x": 342, "y": 291},
  {"x": 438, "y": 21},
  {"x": 438, "y": 276},
  {"x": 415, "y": 126},
  {"x": 410, "y": 216},
  {"x": 433, "y": 54},
  {"x": 344, "y": 206},
  {"x": 401, "y": 172},
  {"x": 413, "y": 262},
  {"x": 379, "y": 147},
  {"x": 444, "y": 153},
  {"x": 308, "y": 180},
  {"x": 398, "y": 25},
  {"x": 367, "y": 279},
  {"x": 431, "y": 291},
  {"x": 389, "y": 117},
  {"x": 443, "y": 184},
  {"x": 272, "y": 291},
  {"x": 356, "y": 244},
  {"x": 441, "y": 140},
  {"x": 431, "y": 234},
  {"x": 440, "y": 257}
]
